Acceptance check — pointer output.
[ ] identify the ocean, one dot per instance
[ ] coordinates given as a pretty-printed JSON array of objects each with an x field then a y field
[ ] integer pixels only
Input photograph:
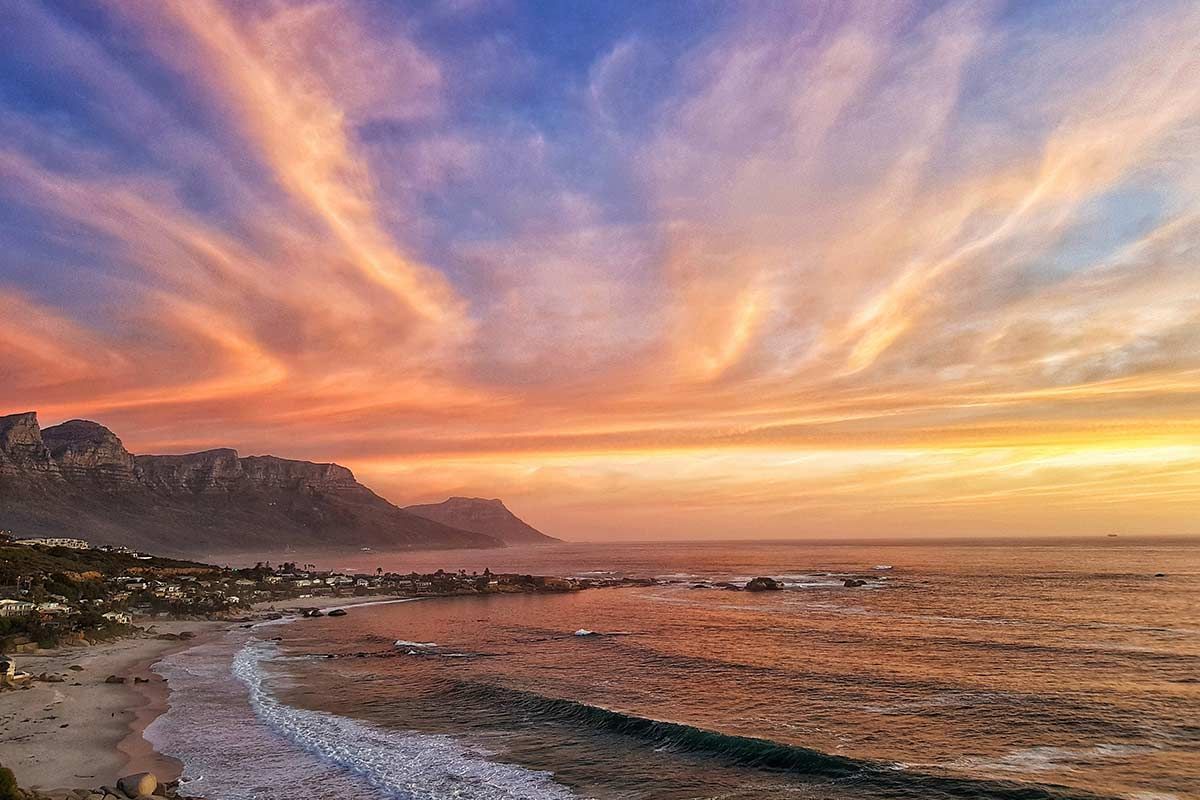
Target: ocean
[{"x": 1018, "y": 670}]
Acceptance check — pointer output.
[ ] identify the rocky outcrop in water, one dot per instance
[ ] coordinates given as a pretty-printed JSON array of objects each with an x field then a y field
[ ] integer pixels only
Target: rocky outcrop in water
[
  {"x": 763, "y": 584},
  {"x": 77, "y": 479}
]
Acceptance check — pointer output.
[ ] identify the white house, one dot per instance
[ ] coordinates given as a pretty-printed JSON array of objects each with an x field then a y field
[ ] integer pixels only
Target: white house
[
  {"x": 119, "y": 617},
  {"x": 15, "y": 608},
  {"x": 55, "y": 541},
  {"x": 53, "y": 608}
]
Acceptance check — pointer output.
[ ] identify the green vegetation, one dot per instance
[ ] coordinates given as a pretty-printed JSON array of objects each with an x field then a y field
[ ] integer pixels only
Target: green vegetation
[
  {"x": 8, "y": 784},
  {"x": 50, "y": 633},
  {"x": 20, "y": 560}
]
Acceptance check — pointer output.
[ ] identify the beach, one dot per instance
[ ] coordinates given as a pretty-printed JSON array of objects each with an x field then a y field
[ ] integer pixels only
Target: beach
[{"x": 84, "y": 731}]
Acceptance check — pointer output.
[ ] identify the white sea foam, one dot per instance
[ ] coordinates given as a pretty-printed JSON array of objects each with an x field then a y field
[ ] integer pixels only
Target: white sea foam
[
  {"x": 405, "y": 765},
  {"x": 1048, "y": 758},
  {"x": 422, "y": 645}
]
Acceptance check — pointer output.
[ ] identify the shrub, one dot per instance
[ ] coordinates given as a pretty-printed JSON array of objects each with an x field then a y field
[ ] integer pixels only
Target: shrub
[{"x": 8, "y": 784}]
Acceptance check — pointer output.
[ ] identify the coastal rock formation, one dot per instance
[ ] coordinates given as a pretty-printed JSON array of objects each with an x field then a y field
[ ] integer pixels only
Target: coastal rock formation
[
  {"x": 762, "y": 584},
  {"x": 140, "y": 785},
  {"x": 77, "y": 479},
  {"x": 482, "y": 516}
]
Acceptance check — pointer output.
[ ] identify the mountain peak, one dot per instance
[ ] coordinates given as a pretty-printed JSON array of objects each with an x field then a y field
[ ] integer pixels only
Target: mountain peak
[
  {"x": 22, "y": 450},
  {"x": 86, "y": 450},
  {"x": 78, "y": 479},
  {"x": 481, "y": 515}
]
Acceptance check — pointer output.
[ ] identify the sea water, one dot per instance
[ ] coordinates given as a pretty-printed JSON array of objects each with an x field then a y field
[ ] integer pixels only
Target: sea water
[{"x": 1029, "y": 670}]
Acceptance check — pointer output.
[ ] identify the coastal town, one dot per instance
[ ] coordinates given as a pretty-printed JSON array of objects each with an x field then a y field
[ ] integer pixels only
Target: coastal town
[
  {"x": 76, "y": 617},
  {"x": 56, "y": 591}
]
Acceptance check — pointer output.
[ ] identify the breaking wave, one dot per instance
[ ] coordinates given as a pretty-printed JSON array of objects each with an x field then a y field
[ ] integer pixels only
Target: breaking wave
[
  {"x": 405, "y": 765},
  {"x": 882, "y": 778}
]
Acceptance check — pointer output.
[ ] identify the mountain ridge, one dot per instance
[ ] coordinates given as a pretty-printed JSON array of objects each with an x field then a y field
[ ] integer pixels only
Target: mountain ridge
[
  {"x": 78, "y": 479},
  {"x": 482, "y": 516}
]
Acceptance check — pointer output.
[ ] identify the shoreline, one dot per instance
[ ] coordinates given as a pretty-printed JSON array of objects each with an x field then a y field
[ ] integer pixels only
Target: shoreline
[{"x": 84, "y": 731}]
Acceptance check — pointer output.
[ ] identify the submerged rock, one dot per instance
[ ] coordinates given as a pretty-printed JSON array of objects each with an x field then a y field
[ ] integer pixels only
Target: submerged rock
[
  {"x": 338, "y": 612},
  {"x": 851, "y": 583}
]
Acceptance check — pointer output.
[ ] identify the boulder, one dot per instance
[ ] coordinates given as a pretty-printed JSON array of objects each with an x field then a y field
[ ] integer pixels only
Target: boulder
[
  {"x": 139, "y": 784},
  {"x": 851, "y": 583},
  {"x": 114, "y": 679},
  {"x": 763, "y": 584},
  {"x": 338, "y": 612}
]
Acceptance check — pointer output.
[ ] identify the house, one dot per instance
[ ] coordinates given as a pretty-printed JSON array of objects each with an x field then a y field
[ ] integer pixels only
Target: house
[
  {"x": 16, "y": 608},
  {"x": 54, "y": 541},
  {"x": 120, "y": 617},
  {"x": 53, "y": 608}
]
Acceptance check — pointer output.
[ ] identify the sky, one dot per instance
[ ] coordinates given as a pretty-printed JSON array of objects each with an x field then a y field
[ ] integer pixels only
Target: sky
[{"x": 643, "y": 270}]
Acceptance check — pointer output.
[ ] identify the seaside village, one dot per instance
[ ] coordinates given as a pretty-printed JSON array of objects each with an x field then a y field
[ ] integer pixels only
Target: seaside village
[
  {"x": 60, "y": 595},
  {"x": 58, "y": 592}
]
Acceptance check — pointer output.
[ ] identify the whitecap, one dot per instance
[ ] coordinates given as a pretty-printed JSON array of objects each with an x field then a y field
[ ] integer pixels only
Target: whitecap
[
  {"x": 407, "y": 765},
  {"x": 422, "y": 645}
]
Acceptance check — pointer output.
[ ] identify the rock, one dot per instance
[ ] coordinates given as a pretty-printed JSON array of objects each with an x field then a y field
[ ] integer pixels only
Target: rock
[
  {"x": 763, "y": 584},
  {"x": 88, "y": 452},
  {"x": 1160, "y": 574},
  {"x": 338, "y": 612},
  {"x": 114, "y": 679},
  {"x": 141, "y": 680},
  {"x": 850, "y": 583},
  {"x": 75, "y": 668},
  {"x": 139, "y": 784}
]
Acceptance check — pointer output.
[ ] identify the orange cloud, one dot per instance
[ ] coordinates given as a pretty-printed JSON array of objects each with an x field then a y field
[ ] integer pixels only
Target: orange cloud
[{"x": 871, "y": 292}]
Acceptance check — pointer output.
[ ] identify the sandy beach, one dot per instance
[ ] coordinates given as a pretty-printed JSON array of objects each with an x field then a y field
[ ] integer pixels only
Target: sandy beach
[
  {"x": 83, "y": 731},
  {"x": 86, "y": 732}
]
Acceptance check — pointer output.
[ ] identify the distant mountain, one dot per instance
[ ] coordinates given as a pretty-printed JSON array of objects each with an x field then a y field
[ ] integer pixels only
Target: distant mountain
[
  {"x": 482, "y": 516},
  {"x": 77, "y": 479}
]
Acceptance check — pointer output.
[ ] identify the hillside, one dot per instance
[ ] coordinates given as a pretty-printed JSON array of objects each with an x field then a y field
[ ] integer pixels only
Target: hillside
[
  {"x": 77, "y": 479},
  {"x": 482, "y": 516}
]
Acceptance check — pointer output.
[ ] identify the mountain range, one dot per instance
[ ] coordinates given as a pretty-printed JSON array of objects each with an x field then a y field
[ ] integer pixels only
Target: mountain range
[{"x": 77, "y": 479}]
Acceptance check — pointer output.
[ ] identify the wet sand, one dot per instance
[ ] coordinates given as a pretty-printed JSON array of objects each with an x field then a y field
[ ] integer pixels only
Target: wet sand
[{"x": 83, "y": 731}]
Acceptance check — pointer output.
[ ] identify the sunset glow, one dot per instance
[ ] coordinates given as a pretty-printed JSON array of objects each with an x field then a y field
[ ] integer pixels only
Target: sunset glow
[{"x": 822, "y": 270}]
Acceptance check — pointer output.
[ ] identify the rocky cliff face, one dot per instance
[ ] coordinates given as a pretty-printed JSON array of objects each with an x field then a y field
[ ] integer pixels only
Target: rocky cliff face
[
  {"x": 482, "y": 516},
  {"x": 22, "y": 450},
  {"x": 87, "y": 451},
  {"x": 78, "y": 479}
]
